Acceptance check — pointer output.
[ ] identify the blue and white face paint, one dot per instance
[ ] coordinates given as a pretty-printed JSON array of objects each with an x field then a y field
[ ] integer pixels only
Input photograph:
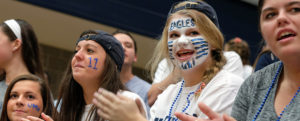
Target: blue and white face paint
[{"x": 187, "y": 48}]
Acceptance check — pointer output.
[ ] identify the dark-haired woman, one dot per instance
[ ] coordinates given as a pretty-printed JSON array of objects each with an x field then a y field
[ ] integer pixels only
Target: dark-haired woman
[{"x": 19, "y": 52}]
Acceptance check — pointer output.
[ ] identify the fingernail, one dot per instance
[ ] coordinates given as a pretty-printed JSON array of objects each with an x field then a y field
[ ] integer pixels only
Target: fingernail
[{"x": 100, "y": 90}]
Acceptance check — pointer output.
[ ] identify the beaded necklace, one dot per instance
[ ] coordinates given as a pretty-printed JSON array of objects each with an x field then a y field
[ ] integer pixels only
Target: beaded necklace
[
  {"x": 198, "y": 90},
  {"x": 267, "y": 94}
]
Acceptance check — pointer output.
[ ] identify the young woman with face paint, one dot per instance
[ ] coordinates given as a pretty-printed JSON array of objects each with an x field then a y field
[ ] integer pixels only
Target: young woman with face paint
[
  {"x": 19, "y": 52},
  {"x": 271, "y": 93},
  {"x": 192, "y": 42},
  {"x": 96, "y": 63},
  {"x": 27, "y": 96}
]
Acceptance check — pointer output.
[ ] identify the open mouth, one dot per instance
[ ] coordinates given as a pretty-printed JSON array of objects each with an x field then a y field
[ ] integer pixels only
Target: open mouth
[
  {"x": 285, "y": 35},
  {"x": 185, "y": 54}
]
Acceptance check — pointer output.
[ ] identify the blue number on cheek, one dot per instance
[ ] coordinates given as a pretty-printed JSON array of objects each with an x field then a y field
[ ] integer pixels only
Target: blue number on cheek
[
  {"x": 96, "y": 60},
  {"x": 34, "y": 107},
  {"x": 90, "y": 65}
]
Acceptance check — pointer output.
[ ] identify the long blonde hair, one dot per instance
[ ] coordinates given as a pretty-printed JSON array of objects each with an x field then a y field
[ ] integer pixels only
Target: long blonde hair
[{"x": 209, "y": 31}]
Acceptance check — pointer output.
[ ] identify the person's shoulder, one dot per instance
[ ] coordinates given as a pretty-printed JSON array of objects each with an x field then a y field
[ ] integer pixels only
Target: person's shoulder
[
  {"x": 263, "y": 77},
  {"x": 141, "y": 81},
  {"x": 227, "y": 79}
]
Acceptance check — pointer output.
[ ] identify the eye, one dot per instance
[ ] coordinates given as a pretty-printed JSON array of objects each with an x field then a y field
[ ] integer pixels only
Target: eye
[
  {"x": 128, "y": 45},
  {"x": 13, "y": 96},
  {"x": 270, "y": 15},
  {"x": 295, "y": 10},
  {"x": 90, "y": 51},
  {"x": 30, "y": 97},
  {"x": 194, "y": 33},
  {"x": 174, "y": 35}
]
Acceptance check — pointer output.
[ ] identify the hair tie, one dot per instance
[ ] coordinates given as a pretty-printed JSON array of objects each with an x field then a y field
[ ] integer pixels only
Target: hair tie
[{"x": 15, "y": 27}]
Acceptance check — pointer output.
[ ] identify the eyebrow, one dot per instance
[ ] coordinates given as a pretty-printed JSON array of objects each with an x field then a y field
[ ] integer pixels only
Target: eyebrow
[
  {"x": 293, "y": 3},
  {"x": 289, "y": 4},
  {"x": 87, "y": 45}
]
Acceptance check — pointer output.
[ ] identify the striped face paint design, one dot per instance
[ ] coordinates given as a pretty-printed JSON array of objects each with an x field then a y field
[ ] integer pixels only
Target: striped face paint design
[
  {"x": 187, "y": 48},
  {"x": 195, "y": 55}
]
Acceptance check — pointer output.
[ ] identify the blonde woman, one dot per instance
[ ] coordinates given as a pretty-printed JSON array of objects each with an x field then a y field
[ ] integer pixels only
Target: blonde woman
[{"x": 192, "y": 42}]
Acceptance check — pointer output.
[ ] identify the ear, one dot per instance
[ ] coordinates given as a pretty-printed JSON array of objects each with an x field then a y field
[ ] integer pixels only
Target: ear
[
  {"x": 135, "y": 58},
  {"x": 16, "y": 45}
]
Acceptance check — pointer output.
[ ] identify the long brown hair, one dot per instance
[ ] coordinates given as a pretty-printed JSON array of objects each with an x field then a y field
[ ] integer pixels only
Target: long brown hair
[
  {"x": 71, "y": 100},
  {"x": 30, "y": 47},
  {"x": 48, "y": 107}
]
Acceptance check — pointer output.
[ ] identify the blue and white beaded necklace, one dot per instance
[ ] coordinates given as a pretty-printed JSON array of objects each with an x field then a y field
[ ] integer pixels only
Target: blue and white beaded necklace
[
  {"x": 267, "y": 94},
  {"x": 188, "y": 99}
]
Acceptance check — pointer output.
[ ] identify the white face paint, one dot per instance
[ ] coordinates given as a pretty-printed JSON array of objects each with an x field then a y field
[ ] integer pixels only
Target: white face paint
[{"x": 187, "y": 48}]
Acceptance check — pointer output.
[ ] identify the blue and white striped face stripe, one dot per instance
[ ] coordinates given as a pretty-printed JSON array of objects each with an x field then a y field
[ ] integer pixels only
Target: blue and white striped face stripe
[
  {"x": 170, "y": 47},
  {"x": 200, "y": 55}
]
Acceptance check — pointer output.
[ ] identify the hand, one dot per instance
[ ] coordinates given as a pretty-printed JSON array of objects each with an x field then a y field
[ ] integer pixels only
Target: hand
[
  {"x": 32, "y": 118},
  {"x": 158, "y": 88},
  {"x": 153, "y": 92},
  {"x": 212, "y": 116},
  {"x": 116, "y": 107}
]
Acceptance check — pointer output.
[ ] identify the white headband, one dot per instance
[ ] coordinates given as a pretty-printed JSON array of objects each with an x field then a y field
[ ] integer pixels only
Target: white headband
[{"x": 15, "y": 27}]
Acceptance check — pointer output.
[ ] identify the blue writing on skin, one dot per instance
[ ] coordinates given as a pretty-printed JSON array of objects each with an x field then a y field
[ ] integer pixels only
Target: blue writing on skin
[
  {"x": 33, "y": 106},
  {"x": 90, "y": 65},
  {"x": 96, "y": 61},
  {"x": 167, "y": 118},
  {"x": 181, "y": 23}
]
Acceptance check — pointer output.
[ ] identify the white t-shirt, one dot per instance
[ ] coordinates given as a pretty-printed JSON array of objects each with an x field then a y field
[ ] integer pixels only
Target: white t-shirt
[
  {"x": 248, "y": 70},
  {"x": 234, "y": 64},
  {"x": 127, "y": 94},
  {"x": 218, "y": 94}
]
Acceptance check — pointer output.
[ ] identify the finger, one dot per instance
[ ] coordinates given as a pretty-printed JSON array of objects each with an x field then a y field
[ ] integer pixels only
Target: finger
[
  {"x": 140, "y": 106},
  {"x": 102, "y": 100},
  {"x": 184, "y": 117},
  {"x": 103, "y": 114},
  {"x": 101, "y": 106},
  {"x": 108, "y": 95},
  {"x": 32, "y": 118},
  {"x": 24, "y": 119},
  {"x": 228, "y": 118},
  {"x": 46, "y": 117},
  {"x": 207, "y": 111}
]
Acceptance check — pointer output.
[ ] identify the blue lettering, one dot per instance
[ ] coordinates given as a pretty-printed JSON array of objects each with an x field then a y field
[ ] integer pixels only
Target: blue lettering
[
  {"x": 187, "y": 22},
  {"x": 96, "y": 60},
  {"x": 90, "y": 65}
]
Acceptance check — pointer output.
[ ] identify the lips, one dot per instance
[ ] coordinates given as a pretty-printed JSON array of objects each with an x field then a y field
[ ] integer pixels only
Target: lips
[
  {"x": 184, "y": 54},
  {"x": 285, "y": 34},
  {"x": 19, "y": 111},
  {"x": 79, "y": 66}
]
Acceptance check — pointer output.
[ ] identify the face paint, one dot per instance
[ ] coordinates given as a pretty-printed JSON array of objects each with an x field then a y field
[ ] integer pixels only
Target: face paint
[
  {"x": 96, "y": 61},
  {"x": 185, "y": 50},
  {"x": 33, "y": 106},
  {"x": 181, "y": 23}
]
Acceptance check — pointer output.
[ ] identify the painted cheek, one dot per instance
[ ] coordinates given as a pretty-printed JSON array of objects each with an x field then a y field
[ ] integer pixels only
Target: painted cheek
[
  {"x": 93, "y": 63},
  {"x": 201, "y": 47},
  {"x": 33, "y": 107},
  {"x": 170, "y": 48}
]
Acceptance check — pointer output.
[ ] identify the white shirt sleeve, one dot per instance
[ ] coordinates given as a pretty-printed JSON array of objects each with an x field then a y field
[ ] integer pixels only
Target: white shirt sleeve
[
  {"x": 162, "y": 71},
  {"x": 134, "y": 96}
]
